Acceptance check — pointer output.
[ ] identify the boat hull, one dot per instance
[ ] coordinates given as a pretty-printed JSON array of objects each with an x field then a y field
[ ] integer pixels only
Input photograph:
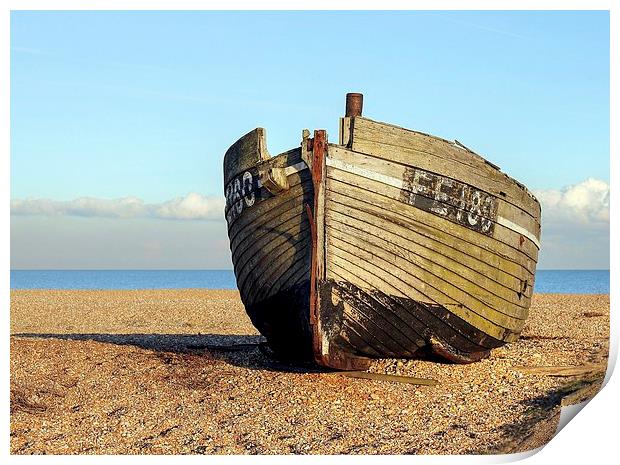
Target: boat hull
[
  {"x": 387, "y": 244},
  {"x": 270, "y": 241}
]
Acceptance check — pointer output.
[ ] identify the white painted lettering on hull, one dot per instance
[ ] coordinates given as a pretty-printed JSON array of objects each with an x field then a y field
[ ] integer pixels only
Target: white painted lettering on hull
[
  {"x": 446, "y": 197},
  {"x": 244, "y": 190}
]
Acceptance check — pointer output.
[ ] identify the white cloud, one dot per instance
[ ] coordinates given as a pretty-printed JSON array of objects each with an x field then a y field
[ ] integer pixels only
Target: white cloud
[
  {"x": 586, "y": 203},
  {"x": 575, "y": 219},
  {"x": 575, "y": 226},
  {"x": 193, "y": 206}
]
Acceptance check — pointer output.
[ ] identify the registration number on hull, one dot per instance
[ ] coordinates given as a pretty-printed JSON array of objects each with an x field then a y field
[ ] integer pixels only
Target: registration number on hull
[
  {"x": 449, "y": 198},
  {"x": 240, "y": 194}
]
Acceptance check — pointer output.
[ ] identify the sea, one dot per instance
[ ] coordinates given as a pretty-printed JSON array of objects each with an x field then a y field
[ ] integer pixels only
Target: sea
[{"x": 547, "y": 281}]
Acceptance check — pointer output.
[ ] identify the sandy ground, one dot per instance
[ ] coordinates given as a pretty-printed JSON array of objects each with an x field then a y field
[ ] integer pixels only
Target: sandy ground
[{"x": 127, "y": 372}]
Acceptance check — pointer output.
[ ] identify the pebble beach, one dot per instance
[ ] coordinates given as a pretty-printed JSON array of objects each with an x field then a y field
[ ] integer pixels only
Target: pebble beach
[{"x": 139, "y": 372}]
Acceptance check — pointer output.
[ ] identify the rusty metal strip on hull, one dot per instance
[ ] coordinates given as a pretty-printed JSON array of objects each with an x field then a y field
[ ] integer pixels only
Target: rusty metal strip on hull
[{"x": 323, "y": 354}]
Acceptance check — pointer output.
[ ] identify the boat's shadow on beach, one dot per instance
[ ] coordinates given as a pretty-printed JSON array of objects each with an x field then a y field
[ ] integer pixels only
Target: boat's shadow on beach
[{"x": 247, "y": 351}]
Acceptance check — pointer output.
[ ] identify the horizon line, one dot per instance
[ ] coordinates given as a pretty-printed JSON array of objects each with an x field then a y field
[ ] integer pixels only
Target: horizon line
[{"x": 230, "y": 269}]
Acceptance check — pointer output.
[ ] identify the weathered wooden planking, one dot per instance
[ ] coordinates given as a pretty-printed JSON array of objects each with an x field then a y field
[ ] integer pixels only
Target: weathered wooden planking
[
  {"x": 380, "y": 333},
  {"x": 467, "y": 293},
  {"x": 444, "y": 197},
  {"x": 443, "y": 157},
  {"x": 356, "y": 335},
  {"x": 446, "y": 270},
  {"x": 385, "y": 271},
  {"x": 483, "y": 303},
  {"x": 265, "y": 161},
  {"x": 378, "y": 274},
  {"x": 245, "y": 189},
  {"x": 345, "y": 212},
  {"x": 268, "y": 236},
  {"x": 366, "y": 329},
  {"x": 270, "y": 212},
  {"x": 254, "y": 238},
  {"x": 269, "y": 223},
  {"x": 384, "y": 303},
  {"x": 441, "y": 168},
  {"x": 383, "y": 310},
  {"x": 485, "y": 248},
  {"x": 244, "y": 154},
  {"x": 262, "y": 254},
  {"x": 419, "y": 322},
  {"x": 344, "y": 131},
  {"x": 400, "y": 137},
  {"x": 297, "y": 183},
  {"x": 449, "y": 296},
  {"x": 300, "y": 268},
  {"x": 438, "y": 192},
  {"x": 425, "y": 321},
  {"x": 260, "y": 284},
  {"x": 265, "y": 233},
  {"x": 279, "y": 219},
  {"x": 457, "y": 246},
  {"x": 477, "y": 258},
  {"x": 346, "y": 262},
  {"x": 460, "y": 290},
  {"x": 394, "y": 281},
  {"x": 284, "y": 209},
  {"x": 503, "y": 239},
  {"x": 256, "y": 281},
  {"x": 245, "y": 193},
  {"x": 300, "y": 274},
  {"x": 261, "y": 288}
]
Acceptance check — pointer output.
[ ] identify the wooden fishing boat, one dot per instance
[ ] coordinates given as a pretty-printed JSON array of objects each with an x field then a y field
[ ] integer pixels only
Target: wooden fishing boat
[{"x": 390, "y": 243}]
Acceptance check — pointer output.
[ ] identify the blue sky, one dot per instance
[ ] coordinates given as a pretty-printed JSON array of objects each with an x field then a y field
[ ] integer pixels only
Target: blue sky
[{"x": 144, "y": 104}]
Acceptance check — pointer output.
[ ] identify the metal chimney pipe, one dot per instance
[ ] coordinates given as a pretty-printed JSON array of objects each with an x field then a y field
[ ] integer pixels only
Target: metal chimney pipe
[{"x": 354, "y": 105}]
